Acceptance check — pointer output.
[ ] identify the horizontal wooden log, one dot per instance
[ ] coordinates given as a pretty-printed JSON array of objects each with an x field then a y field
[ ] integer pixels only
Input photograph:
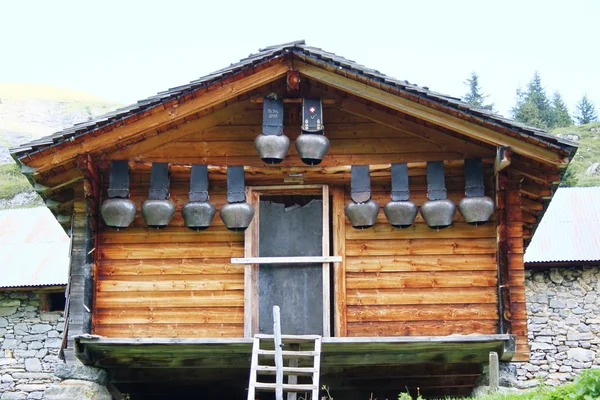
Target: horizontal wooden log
[
  {"x": 171, "y": 330},
  {"x": 170, "y": 234},
  {"x": 422, "y": 328},
  {"x": 382, "y": 231},
  {"x": 420, "y": 296},
  {"x": 429, "y": 312},
  {"x": 167, "y": 250},
  {"x": 425, "y": 280},
  {"x": 479, "y": 262},
  {"x": 170, "y": 283},
  {"x": 147, "y": 315},
  {"x": 419, "y": 247},
  {"x": 177, "y": 299},
  {"x": 173, "y": 266}
]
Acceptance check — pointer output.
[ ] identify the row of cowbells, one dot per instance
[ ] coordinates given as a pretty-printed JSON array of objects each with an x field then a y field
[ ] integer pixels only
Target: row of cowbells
[
  {"x": 118, "y": 211},
  {"x": 272, "y": 145},
  {"x": 438, "y": 211}
]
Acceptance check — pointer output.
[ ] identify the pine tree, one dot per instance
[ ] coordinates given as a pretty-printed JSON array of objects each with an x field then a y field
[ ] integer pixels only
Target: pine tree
[
  {"x": 533, "y": 107},
  {"x": 474, "y": 96},
  {"x": 560, "y": 112},
  {"x": 585, "y": 111}
]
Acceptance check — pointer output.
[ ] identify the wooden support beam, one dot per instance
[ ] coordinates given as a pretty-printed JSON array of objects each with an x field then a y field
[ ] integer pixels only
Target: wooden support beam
[
  {"x": 157, "y": 118},
  {"x": 503, "y": 159},
  {"x": 446, "y": 142},
  {"x": 286, "y": 260},
  {"x": 440, "y": 118},
  {"x": 502, "y": 199},
  {"x": 289, "y": 100},
  {"x": 339, "y": 271}
]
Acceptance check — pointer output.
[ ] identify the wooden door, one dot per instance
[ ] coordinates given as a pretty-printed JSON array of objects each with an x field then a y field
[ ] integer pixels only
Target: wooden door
[{"x": 291, "y": 226}]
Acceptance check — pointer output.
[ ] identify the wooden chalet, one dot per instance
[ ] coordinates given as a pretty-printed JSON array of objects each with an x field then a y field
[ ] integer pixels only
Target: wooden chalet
[{"x": 174, "y": 311}]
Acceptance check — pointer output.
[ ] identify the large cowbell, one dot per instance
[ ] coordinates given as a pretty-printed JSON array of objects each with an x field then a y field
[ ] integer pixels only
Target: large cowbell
[
  {"x": 476, "y": 208},
  {"x": 118, "y": 211},
  {"x": 158, "y": 210},
  {"x": 362, "y": 211},
  {"x": 400, "y": 211},
  {"x": 198, "y": 213},
  {"x": 272, "y": 145},
  {"x": 438, "y": 211},
  {"x": 312, "y": 144},
  {"x": 237, "y": 214}
]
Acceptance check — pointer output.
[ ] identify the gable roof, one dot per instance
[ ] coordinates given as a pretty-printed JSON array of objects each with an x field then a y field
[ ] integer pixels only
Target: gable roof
[
  {"x": 570, "y": 228},
  {"x": 34, "y": 249},
  {"x": 299, "y": 50}
]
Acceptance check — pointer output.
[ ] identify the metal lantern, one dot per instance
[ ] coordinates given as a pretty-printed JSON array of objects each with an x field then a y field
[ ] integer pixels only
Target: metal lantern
[
  {"x": 312, "y": 144},
  {"x": 362, "y": 211},
  {"x": 400, "y": 211},
  {"x": 198, "y": 213},
  {"x": 118, "y": 211},
  {"x": 476, "y": 208},
  {"x": 158, "y": 210},
  {"x": 438, "y": 211},
  {"x": 272, "y": 145},
  {"x": 237, "y": 214}
]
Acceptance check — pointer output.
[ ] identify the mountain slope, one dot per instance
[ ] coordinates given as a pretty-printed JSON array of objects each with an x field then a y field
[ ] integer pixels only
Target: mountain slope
[
  {"x": 29, "y": 112},
  {"x": 585, "y": 166}
]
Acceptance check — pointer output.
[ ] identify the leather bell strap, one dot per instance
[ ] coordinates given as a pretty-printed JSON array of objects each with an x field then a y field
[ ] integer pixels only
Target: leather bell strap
[
  {"x": 236, "y": 185},
  {"x": 400, "y": 190},
  {"x": 360, "y": 183},
  {"x": 436, "y": 185},
  {"x": 118, "y": 185},
  {"x": 474, "y": 178},
  {"x": 199, "y": 182},
  {"x": 272, "y": 116},
  {"x": 312, "y": 116},
  {"x": 159, "y": 181}
]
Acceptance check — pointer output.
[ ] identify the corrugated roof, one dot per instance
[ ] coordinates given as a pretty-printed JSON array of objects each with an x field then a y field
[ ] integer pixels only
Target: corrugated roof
[
  {"x": 301, "y": 50},
  {"x": 34, "y": 249},
  {"x": 570, "y": 229}
]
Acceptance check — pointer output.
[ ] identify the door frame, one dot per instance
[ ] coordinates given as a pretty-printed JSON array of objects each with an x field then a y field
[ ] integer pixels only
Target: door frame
[{"x": 251, "y": 246}]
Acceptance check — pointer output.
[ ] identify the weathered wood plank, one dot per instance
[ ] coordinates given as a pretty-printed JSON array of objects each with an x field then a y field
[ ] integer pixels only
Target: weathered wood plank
[
  {"x": 419, "y": 247},
  {"x": 170, "y": 250},
  {"x": 381, "y": 231},
  {"x": 147, "y": 315},
  {"x": 420, "y": 328},
  {"x": 171, "y": 283},
  {"x": 419, "y": 296},
  {"x": 176, "y": 299},
  {"x": 424, "y": 312},
  {"x": 172, "y": 266},
  {"x": 426, "y": 280},
  {"x": 171, "y": 330},
  {"x": 479, "y": 262}
]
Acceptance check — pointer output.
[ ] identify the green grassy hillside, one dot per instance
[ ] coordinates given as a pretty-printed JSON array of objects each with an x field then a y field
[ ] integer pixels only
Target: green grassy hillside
[{"x": 585, "y": 166}]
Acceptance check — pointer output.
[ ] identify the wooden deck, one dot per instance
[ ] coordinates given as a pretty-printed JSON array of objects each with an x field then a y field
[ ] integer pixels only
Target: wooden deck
[{"x": 351, "y": 366}]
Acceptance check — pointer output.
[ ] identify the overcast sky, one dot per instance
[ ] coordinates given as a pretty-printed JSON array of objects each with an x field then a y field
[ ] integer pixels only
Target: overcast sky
[{"x": 125, "y": 50}]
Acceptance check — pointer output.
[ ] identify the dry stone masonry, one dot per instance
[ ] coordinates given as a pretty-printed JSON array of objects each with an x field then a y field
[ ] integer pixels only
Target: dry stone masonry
[
  {"x": 29, "y": 345},
  {"x": 563, "y": 313}
]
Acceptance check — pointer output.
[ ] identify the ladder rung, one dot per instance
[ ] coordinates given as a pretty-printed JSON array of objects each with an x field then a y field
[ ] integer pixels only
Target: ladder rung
[
  {"x": 269, "y": 370},
  {"x": 289, "y": 338},
  {"x": 286, "y": 387},
  {"x": 288, "y": 353}
]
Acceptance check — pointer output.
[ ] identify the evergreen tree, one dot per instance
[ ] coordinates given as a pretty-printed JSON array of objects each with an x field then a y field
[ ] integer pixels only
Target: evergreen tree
[
  {"x": 533, "y": 107},
  {"x": 474, "y": 96},
  {"x": 560, "y": 112},
  {"x": 585, "y": 111}
]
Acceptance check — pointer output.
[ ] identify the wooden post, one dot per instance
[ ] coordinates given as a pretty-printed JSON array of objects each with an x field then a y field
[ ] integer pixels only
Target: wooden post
[
  {"x": 494, "y": 371},
  {"x": 278, "y": 354},
  {"x": 504, "y": 319}
]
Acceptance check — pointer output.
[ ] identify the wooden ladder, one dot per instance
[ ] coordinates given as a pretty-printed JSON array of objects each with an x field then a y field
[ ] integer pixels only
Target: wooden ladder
[{"x": 286, "y": 364}]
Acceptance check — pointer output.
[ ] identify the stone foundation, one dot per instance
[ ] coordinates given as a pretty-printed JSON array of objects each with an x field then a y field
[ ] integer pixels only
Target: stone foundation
[
  {"x": 563, "y": 316},
  {"x": 30, "y": 340}
]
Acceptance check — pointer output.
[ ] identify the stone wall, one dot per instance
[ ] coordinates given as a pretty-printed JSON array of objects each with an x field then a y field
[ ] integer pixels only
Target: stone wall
[
  {"x": 29, "y": 345},
  {"x": 563, "y": 315}
]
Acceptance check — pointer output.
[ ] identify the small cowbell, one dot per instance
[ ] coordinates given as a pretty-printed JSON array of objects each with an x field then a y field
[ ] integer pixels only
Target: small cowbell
[
  {"x": 158, "y": 210},
  {"x": 438, "y": 211},
  {"x": 272, "y": 145},
  {"x": 118, "y": 211},
  {"x": 476, "y": 208},
  {"x": 237, "y": 214},
  {"x": 312, "y": 145},
  {"x": 400, "y": 211},
  {"x": 362, "y": 211},
  {"x": 198, "y": 213}
]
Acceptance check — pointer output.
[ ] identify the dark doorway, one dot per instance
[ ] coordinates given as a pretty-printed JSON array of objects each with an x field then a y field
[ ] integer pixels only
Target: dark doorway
[{"x": 291, "y": 226}]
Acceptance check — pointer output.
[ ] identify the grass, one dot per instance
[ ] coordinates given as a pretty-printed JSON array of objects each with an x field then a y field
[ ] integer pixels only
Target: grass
[
  {"x": 12, "y": 181},
  {"x": 587, "y": 155}
]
